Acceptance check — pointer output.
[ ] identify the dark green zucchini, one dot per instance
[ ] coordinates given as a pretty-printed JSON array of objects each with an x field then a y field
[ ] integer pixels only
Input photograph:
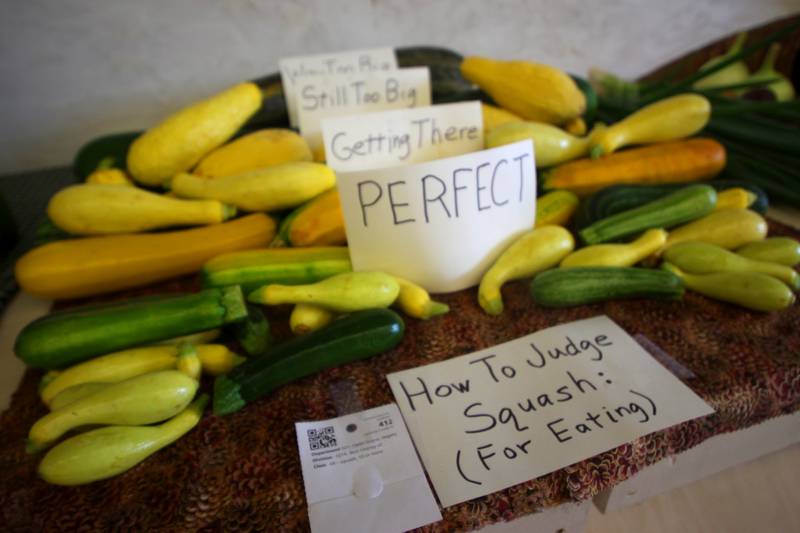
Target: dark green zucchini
[
  {"x": 67, "y": 337},
  {"x": 565, "y": 287},
  {"x": 591, "y": 99},
  {"x": 253, "y": 333},
  {"x": 347, "y": 339},
  {"x": 683, "y": 205}
]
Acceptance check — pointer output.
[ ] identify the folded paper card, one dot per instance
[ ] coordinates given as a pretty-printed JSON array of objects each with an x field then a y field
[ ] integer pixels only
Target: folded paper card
[
  {"x": 403, "y": 136},
  {"x": 494, "y": 418},
  {"x": 441, "y": 223},
  {"x": 294, "y": 69},
  {"x": 361, "y": 474},
  {"x": 334, "y": 95}
]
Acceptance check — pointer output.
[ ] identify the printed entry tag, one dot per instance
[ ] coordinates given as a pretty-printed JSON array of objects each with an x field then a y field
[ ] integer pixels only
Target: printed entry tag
[{"x": 361, "y": 473}]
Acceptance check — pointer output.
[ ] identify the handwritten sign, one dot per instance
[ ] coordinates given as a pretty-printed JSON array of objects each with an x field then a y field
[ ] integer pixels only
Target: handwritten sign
[
  {"x": 293, "y": 69},
  {"x": 336, "y": 95},
  {"x": 442, "y": 223},
  {"x": 403, "y": 136},
  {"x": 494, "y": 418}
]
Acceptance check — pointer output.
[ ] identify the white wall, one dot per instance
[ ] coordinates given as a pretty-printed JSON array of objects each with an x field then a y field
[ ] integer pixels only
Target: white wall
[{"x": 74, "y": 69}]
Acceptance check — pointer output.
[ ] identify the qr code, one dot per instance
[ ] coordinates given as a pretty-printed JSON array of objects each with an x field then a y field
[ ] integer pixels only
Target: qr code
[{"x": 322, "y": 438}]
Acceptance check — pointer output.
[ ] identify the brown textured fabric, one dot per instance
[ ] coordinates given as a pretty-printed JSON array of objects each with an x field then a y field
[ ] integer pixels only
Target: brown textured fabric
[{"x": 242, "y": 472}]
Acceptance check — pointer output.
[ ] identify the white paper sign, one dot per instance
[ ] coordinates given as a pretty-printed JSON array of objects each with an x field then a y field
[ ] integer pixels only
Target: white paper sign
[
  {"x": 403, "y": 136},
  {"x": 501, "y": 416},
  {"x": 336, "y": 95},
  {"x": 442, "y": 223},
  {"x": 293, "y": 69},
  {"x": 361, "y": 474}
]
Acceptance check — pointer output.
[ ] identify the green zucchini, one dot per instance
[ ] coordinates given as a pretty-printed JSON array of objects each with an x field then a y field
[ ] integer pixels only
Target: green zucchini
[
  {"x": 681, "y": 206},
  {"x": 286, "y": 266},
  {"x": 565, "y": 287},
  {"x": 617, "y": 198},
  {"x": 67, "y": 337},
  {"x": 346, "y": 339},
  {"x": 253, "y": 333},
  {"x": 591, "y": 98}
]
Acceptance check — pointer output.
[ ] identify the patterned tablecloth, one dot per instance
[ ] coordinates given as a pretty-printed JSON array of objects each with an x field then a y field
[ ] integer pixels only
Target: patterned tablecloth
[{"x": 242, "y": 472}]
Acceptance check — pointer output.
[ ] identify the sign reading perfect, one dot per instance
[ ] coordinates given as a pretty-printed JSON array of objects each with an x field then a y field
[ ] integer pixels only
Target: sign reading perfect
[
  {"x": 494, "y": 418},
  {"x": 441, "y": 223}
]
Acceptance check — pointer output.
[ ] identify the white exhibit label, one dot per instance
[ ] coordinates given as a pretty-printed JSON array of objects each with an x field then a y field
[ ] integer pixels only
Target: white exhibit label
[
  {"x": 402, "y": 136},
  {"x": 361, "y": 473},
  {"x": 336, "y": 95},
  {"x": 293, "y": 69},
  {"x": 440, "y": 224},
  {"x": 501, "y": 416}
]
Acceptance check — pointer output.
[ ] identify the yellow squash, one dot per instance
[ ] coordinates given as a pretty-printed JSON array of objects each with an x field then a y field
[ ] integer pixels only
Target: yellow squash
[
  {"x": 262, "y": 148},
  {"x": 215, "y": 359},
  {"x": 107, "y": 209},
  {"x": 732, "y": 74},
  {"x": 144, "y": 399},
  {"x": 75, "y": 268},
  {"x": 344, "y": 293},
  {"x": 782, "y": 250},
  {"x": 306, "y": 318},
  {"x": 618, "y": 255},
  {"x": 669, "y": 119},
  {"x": 320, "y": 222},
  {"x": 531, "y": 253},
  {"x": 704, "y": 258},
  {"x": 552, "y": 145},
  {"x": 529, "y": 90},
  {"x": 556, "y": 207},
  {"x": 752, "y": 290},
  {"x": 267, "y": 189},
  {"x": 106, "y": 452},
  {"x": 109, "y": 176},
  {"x": 416, "y": 302},
  {"x": 179, "y": 142},
  {"x": 729, "y": 228},
  {"x": 494, "y": 116},
  {"x": 734, "y": 198},
  {"x": 75, "y": 393}
]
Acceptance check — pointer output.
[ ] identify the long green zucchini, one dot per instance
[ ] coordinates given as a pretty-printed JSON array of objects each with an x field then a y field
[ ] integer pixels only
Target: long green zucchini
[
  {"x": 68, "y": 337},
  {"x": 681, "y": 206},
  {"x": 565, "y": 287},
  {"x": 617, "y": 198},
  {"x": 286, "y": 266},
  {"x": 350, "y": 338}
]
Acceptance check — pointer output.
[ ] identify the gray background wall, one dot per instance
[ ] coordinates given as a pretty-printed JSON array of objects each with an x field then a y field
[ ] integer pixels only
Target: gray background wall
[{"x": 74, "y": 69}]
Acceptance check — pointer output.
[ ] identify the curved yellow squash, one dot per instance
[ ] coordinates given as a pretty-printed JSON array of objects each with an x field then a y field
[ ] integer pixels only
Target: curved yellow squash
[
  {"x": 530, "y": 90},
  {"x": 262, "y": 148},
  {"x": 179, "y": 142},
  {"x": 669, "y": 119},
  {"x": 94, "y": 209},
  {"x": 266, "y": 189},
  {"x": 75, "y": 268}
]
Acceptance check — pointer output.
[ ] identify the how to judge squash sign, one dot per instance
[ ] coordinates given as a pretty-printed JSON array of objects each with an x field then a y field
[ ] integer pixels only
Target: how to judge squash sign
[
  {"x": 442, "y": 223},
  {"x": 494, "y": 418}
]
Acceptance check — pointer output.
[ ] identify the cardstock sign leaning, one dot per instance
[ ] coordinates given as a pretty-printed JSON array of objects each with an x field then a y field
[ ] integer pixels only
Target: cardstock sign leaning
[
  {"x": 440, "y": 224},
  {"x": 494, "y": 418}
]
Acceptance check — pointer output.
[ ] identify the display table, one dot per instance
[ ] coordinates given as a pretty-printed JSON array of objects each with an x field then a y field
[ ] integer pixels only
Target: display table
[{"x": 243, "y": 470}]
